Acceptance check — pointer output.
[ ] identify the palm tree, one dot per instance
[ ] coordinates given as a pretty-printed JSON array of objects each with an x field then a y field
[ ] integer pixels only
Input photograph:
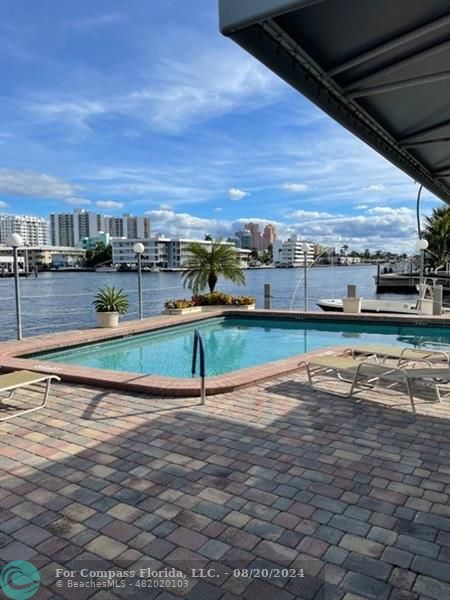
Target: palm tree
[
  {"x": 437, "y": 234},
  {"x": 207, "y": 263}
]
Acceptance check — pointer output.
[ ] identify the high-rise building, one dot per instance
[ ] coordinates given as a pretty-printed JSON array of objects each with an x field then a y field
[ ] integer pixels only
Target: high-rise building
[
  {"x": 33, "y": 230},
  {"x": 62, "y": 229},
  {"x": 69, "y": 229},
  {"x": 245, "y": 239},
  {"x": 256, "y": 235},
  {"x": 136, "y": 227},
  {"x": 269, "y": 236}
]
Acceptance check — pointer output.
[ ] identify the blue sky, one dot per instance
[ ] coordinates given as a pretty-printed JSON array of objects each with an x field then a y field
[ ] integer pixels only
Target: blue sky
[{"x": 143, "y": 107}]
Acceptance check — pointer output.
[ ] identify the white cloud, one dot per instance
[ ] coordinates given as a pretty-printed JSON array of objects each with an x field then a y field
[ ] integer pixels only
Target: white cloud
[
  {"x": 218, "y": 209},
  {"x": 311, "y": 214},
  {"x": 3, "y": 204},
  {"x": 75, "y": 112},
  {"x": 361, "y": 207},
  {"x": 204, "y": 85},
  {"x": 165, "y": 206},
  {"x": 295, "y": 187},
  {"x": 87, "y": 23},
  {"x": 185, "y": 225},
  {"x": 209, "y": 84},
  {"x": 236, "y": 194},
  {"x": 77, "y": 201},
  {"x": 34, "y": 184},
  {"x": 4, "y": 136},
  {"x": 108, "y": 204},
  {"x": 377, "y": 187},
  {"x": 381, "y": 228}
]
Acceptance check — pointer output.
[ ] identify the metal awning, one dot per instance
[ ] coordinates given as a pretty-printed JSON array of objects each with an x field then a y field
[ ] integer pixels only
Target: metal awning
[{"x": 381, "y": 68}]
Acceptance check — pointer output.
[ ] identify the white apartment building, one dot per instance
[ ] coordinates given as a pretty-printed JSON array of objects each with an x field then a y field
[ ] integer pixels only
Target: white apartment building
[
  {"x": 69, "y": 229},
  {"x": 290, "y": 253},
  {"x": 33, "y": 230},
  {"x": 162, "y": 252}
]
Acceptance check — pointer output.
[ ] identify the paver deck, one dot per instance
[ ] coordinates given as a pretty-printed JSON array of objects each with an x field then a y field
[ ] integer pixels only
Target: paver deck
[{"x": 274, "y": 477}]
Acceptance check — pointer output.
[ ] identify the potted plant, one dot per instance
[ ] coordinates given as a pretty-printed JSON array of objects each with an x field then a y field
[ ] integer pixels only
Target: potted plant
[{"x": 109, "y": 303}]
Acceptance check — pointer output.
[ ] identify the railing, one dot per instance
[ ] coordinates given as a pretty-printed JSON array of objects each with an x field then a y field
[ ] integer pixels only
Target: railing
[{"x": 198, "y": 345}]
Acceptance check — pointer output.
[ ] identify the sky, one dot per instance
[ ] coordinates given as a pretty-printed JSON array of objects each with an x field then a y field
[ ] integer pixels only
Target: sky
[{"x": 144, "y": 107}]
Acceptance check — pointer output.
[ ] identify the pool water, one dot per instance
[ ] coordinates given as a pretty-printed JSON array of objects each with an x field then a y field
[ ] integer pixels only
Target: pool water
[{"x": 233, "y": 343}]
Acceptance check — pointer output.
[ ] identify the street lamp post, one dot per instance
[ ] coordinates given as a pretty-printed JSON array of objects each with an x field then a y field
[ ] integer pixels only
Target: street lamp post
[
  {"x": 15, "y": 241},
  {"x": 305, "y": 250},
  {"x": 422, "y": 245},
  {"x": 139, "y": 249}
]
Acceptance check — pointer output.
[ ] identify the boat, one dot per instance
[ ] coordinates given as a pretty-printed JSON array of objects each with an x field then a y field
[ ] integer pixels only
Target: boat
[
  {"x": 105, "y": 269},
  {"x": 406, "y": 283},
  {"x": 155, "y": 270},
  {"x": 421, "y": 307}
]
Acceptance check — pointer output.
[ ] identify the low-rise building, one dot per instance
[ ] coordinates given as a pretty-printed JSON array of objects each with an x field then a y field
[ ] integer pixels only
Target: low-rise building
[
  {"x": 161, "y": 252},
  {"x": 290, "y": 253},
  {"x": 41, "y": 258},
  {"x": 90, "y": 243}
]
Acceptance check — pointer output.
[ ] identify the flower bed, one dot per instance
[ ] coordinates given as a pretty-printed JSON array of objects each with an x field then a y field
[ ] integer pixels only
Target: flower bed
[{"x": 207, "y": 302}]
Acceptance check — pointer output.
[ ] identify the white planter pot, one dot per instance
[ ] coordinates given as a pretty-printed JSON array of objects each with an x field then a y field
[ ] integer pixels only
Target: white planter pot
[
  {"x": 108, "y": 319},
  {"x": 351, "y": 305},
  {"x": 197, "y": 309},
  {"x": 183, "y": 311},
  {"x": 227, "y": 307}
]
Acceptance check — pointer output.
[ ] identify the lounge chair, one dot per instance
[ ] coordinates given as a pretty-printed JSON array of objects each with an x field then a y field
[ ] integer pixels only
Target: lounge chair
[
  {"x": 10, "y": 382},
  {"x": 368, "y": 375},
  {"x": 403, "y": 355}
]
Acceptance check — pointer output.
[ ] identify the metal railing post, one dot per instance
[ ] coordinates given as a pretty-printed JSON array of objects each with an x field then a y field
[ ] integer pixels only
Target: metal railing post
[
  {"x": 139, "y": 258},
  {"x": 17, "y": 291},
  {"x": 198, "y": 344}
]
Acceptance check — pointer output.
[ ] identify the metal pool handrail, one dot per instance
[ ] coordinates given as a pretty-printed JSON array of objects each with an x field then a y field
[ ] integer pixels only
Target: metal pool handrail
[{"x": 198, "y": 343}]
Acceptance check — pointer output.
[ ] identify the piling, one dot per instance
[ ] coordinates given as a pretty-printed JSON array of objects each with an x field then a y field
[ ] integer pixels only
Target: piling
[
  {"x": 267, "y": 296},
  {"x": 437, "y": 299}
]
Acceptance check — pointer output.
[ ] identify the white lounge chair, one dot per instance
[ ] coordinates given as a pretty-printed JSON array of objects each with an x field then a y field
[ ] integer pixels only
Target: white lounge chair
[
  {"x": 10, "y": 382},
  {"x": 364, "y": 374}
]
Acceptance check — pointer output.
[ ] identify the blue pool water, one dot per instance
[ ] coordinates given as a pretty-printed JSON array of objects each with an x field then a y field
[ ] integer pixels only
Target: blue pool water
[{"x": 234, "y": 343}]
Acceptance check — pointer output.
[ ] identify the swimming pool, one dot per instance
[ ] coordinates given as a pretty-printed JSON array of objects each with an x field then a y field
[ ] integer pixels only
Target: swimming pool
[{"x": 233, "y": 343}]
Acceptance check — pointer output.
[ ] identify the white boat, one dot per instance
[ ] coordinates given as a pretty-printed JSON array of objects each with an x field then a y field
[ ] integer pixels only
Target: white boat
[
  {"x": 155, "y": 270},
  {"x": 109, "y": 269},
  {"x": 382, "y": 306}
]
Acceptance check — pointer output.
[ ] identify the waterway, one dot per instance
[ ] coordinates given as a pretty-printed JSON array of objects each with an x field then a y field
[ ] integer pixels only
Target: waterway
[{"x": 57, "y": 301}]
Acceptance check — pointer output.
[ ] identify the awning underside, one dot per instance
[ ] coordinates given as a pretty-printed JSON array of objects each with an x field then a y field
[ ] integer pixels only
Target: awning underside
[{"x": 381, "y": 68}]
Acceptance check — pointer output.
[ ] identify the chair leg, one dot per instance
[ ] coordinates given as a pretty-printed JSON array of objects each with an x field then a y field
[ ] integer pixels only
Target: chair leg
[
  {"x": 410, "y": 394},
  {"x": 8, "y": 397},
  {"x": 354, "y": 382},
  {"x": 437, "y": 391},
  {"x": 308, "y": 372}
]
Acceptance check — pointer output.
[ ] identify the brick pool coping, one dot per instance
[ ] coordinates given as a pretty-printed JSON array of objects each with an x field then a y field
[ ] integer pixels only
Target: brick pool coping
[{"x": 12, "y": 353}]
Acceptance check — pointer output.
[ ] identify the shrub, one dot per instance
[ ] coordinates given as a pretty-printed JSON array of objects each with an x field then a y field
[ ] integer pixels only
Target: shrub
[
  {"x": 109, "y": 299},
  {"x": 214, "y": 299},
  {"x": 178, "y": 304},
  {"x": 245, "y": 300}
]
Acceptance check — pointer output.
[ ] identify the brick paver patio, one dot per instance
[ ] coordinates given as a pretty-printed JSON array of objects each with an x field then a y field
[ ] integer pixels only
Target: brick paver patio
[{"x": 276, "y": 477}]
